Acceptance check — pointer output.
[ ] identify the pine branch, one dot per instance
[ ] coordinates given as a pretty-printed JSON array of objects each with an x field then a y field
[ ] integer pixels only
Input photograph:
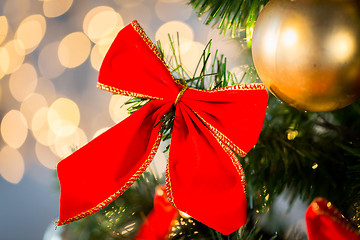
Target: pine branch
[{"x": 229, "y": 14}]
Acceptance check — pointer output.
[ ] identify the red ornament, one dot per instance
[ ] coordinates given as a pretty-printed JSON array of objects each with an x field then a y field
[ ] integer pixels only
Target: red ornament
[
  {"x": 204, "y": 177},
  {"x": 325, "y": 222},
  {"x": 158, "y": 222}
]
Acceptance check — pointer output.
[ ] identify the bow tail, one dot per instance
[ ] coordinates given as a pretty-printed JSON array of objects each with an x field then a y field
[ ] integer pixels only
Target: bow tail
[
  {"x": 204, "y": 178},
  {"x": 96, "y": 174}
]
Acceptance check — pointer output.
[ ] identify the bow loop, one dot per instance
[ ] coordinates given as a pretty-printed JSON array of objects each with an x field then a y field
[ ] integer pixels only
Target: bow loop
[{"x": 126, "y": 70}]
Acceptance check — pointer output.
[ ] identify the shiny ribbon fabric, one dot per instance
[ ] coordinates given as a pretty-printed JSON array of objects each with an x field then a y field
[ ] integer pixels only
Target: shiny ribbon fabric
[
  {"x": 204, "y": 177},
  {"x": 325, "y": 222}
]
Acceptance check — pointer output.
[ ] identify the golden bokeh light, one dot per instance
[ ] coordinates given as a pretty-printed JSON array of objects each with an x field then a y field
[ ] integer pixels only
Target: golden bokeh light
[
  {"x": 12, "y": 55},
  {"x": 98, "y": 53},
  {"x": 67, "y": 144},
  {"x": 186, "y": 34},
  {"x": 46, "y": 88},
  {"x": 63, "y": 116},
  {"x": 12, "y": 166},
  {"x": 31, "y": 105},
  {"x": 4, "y": 28},
  {"x": 74, "y": 49},
  {"x": 23, "y": 81},
  {"x": 100, "y": 131},
  {"x": 48, "y": 61},
  {"x": 102, "y": 22},
  {"x": 2, "y": 73},
  {"x": 14, "y": 129},
  {"x": 190, "y": 53},
  {"x": 117, "y": 109},
  {"x": 41, "y": 129},
  {"x": 31, "y": 31},
  {"x": 45, "y": 156},
  {"x": 55, "y": 8}
]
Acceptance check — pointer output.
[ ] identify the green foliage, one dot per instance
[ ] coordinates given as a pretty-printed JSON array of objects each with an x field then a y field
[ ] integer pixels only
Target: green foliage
[
  {"x": 309, "y": 154},
  {"x": 230, "y": 15},
  {"x": 120, "y": 219}
]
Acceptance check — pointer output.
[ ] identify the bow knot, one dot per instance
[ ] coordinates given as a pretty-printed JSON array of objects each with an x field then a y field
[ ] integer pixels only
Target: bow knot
[
  {"x": 203, "y": 177},
  {"x": 181, "y": 93}
]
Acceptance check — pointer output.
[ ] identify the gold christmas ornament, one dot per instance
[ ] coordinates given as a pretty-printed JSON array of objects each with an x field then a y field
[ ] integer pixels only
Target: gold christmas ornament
[{"x": 307, "y": 52}]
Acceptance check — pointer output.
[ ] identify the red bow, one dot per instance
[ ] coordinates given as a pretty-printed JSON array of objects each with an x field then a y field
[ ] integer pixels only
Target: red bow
[
  {"x": 204, "y": 176},
  {"x": 325, "y": 222}
]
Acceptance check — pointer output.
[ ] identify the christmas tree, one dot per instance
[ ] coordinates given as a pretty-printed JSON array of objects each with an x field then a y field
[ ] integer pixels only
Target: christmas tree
[{"x": 300, "y": 154}]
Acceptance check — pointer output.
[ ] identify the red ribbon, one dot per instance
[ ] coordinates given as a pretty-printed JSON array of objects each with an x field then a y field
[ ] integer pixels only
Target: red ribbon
[
  {"x": 158, "y": 223},
  {"x": 204, "y": 176},
  {"x": 325, "y": 222}
]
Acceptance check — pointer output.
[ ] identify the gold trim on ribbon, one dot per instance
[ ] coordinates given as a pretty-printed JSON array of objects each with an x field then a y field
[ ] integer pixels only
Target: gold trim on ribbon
[
  {"x": 168, "y": 186},
  {"x": 234, "y": 161},
  {"x": 181, "y": 93},
  {"x": 127, "y": 185},
  {"x": 148, "y": 41},
  {"x": 219, "y": 135},
  {"x": 135, "y": 24},
  {"x": 124, "y": 92},
  {"x": 242, "y": 87},
  {"x": 227, "y": 145}
]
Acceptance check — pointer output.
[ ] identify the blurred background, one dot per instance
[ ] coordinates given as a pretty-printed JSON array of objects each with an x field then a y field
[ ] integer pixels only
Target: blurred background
[{"x": 50, "y": 54}]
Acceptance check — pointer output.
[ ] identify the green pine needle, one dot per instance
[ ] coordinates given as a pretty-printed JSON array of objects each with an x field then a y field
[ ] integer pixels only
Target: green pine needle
[{"x": 229, "y": 14}]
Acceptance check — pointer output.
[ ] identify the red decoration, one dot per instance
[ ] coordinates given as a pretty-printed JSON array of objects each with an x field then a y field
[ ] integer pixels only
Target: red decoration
[
  {"x": 204, "y": 177},
  {"x": 325, "y": 222},
  {"x": 158, "y": 222}
]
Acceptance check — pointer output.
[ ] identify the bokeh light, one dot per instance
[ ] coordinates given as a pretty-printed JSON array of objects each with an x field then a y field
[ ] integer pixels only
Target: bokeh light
[
  {"x": 31, "y": 105},
  {"x": 45, "y": 156},
  {"x": 117, "y": 109},
  {"x": 23, "y": 82},
  {"x": 46, "y": 88},
  {"x": 49, "y": 63},
  {"x": 31, "y": 31},
  {"x": 55, "y": 8},
  {"x": 4, "y": 28},
  {"x": 12, "y": 55},
  {"x": 12, "y": 166},
  {"x": 98, "y": 53},
  {"x": 67, "y": 144},
  {"x": 190, "y": 53},
  {"x": 41, "y": 129},
  {"x": 102, "y": 22},
  {"x": 63, "y": 117},
  {"x": 186, "y": 34},
  {"x": 14, "y": 129},
  {"x": 74, "y": 49}
]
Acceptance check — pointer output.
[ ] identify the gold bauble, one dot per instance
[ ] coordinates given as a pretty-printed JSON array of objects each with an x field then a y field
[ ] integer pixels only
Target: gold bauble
[{"x": 307, "y": 52}]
